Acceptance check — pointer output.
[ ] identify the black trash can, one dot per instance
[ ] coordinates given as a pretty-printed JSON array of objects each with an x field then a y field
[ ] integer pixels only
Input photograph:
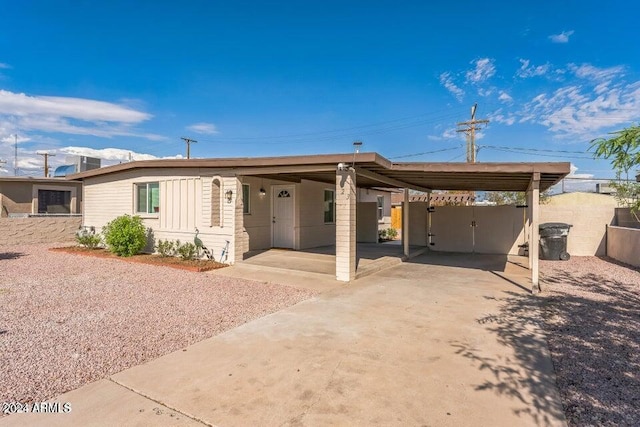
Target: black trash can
[{"x": 553, "y": 241}]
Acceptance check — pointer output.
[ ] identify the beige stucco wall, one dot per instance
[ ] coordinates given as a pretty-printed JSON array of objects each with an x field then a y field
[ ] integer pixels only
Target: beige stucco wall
[
  {"x": 14, "y": 231},
  {"x": 589, "y": 213},
  {"x": 418, "y": 223},
  {"x": 623, "y": 244},
  {"x": 22, "y": 197},
  {"x": 310, "y": 201},
  {"x": 371, "y": 195},
  {"x": 499, "y": 229},
  {"x": 624, "y": 218},
  {"x": 367, "y": 222}
]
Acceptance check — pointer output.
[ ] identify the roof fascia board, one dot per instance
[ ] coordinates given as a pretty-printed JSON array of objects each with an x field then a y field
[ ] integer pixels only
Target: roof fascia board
[{"x": 387, "y": 180}]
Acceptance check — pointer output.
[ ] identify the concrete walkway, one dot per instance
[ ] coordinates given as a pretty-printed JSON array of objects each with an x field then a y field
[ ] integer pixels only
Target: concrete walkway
[{"x": 440, "y": 340}]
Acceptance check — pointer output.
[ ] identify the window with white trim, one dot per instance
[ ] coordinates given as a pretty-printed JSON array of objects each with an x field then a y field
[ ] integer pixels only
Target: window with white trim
[
  {"x": 329, "y": 206},
  {"x": 246, "y": 199},
  {"x": 148, "y": 198},
  {"x": 216, "y": 206},
  {"x": 380, "y": 208}
]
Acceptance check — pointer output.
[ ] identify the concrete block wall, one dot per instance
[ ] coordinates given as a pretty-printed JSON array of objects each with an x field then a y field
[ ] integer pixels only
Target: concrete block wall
[
  {"x": 16, "y": 231},
  {"x": 588, "y": 235},
  {"x": 623, "y": 244},
  {"x": 346, "y": 225}
]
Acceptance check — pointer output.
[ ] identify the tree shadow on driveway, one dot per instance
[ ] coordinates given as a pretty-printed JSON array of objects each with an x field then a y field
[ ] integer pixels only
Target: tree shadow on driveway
[
  {"x": 524, "y": 374},
  {"x": 10, "y": 255},
  {"x": 590, "y": 323}
]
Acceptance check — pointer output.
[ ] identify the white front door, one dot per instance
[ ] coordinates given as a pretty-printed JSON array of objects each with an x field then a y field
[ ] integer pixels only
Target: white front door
[{"x": 283, "y": 216}]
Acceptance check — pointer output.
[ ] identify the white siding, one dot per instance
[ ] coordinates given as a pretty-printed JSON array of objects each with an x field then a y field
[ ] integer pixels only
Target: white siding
[{"x": 184, "y": 205}]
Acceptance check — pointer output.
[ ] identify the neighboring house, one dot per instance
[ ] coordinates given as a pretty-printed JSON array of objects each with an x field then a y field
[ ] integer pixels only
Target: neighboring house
[
  {"x": 294, "y": 202},
  {"x": 435, "y": 199},
  {"x": 24, "y": 196},
  {"x": 382, "y": 199}
]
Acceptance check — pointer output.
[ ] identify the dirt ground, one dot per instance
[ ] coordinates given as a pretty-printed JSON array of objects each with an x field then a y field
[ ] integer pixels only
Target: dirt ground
[{"x": 591, "y": 314}]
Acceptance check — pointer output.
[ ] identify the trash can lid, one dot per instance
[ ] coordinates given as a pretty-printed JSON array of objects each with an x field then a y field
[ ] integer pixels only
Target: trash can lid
[{"x": 555, "y": 225}]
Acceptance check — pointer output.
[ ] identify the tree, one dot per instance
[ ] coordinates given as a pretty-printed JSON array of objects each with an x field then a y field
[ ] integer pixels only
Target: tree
[
  {"x": 513, "y": 197},
  {"x": 623, "y": 149}
]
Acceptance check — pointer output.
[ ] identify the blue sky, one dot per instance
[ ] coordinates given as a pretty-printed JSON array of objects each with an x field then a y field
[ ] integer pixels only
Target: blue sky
[{"x": 280, "y": 78}]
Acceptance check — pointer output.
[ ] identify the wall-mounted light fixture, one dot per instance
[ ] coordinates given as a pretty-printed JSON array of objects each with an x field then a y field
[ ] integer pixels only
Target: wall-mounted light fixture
[
  {"x": 229, "y": 195},
  {"x": 263, "y": 192}
]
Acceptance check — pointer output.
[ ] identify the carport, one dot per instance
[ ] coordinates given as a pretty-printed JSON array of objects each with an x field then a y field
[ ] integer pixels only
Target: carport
[{"x": 371, "y": 170}]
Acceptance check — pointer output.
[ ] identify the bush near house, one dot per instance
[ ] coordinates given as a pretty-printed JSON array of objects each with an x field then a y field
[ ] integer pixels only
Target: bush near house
[
  {"x": 387, "y": 234},
  {"x": 88, "y": 238},
  {"x": 166, "y": 248},
  {"x": 126, "y": 235}
]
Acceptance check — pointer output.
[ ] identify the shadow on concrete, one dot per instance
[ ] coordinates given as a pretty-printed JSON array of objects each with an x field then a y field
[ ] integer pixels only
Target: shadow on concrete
[
  {"x": 11, "y": 255},
  {"x": 594, "y": 339},
  {"x": 532, "y": 385},
  {"x": 463, "y": 260}
]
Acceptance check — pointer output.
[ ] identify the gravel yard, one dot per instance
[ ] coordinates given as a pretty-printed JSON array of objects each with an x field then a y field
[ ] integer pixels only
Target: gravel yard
[
  {"x": 66, "y": 320},
  {"x": 592, "y": 318}
]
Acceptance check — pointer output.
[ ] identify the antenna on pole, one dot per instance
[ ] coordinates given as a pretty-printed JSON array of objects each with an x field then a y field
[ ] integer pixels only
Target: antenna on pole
[
  {"x": 188, "y": 141},
  {"x": 15, "y": 161},
  {"x": 469, "y": 129},
  {"x": 356, "y": 150},
  {"x": 46, "y": 162}
]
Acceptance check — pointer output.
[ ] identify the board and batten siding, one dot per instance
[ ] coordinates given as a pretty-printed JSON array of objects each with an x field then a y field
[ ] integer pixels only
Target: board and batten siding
[{"x": 185, "y": 204}]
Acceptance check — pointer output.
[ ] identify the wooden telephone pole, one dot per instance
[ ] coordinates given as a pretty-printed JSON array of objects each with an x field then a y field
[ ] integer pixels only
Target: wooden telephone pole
[
  {"x": 46, "y": 162},
  {"x": 188, "y": 141},
  {"x": 469, "y": 129}
]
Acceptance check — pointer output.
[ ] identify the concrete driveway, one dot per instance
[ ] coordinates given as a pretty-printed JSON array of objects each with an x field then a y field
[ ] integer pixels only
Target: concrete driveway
[{"x": 441, "y": 340}]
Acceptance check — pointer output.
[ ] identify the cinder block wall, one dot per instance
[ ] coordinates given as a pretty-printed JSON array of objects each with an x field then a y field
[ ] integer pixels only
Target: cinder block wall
[
  {"x": 587, "y": 237},
  {"x": 623, "y": 244},
  {"x": 16, "y": 231}
]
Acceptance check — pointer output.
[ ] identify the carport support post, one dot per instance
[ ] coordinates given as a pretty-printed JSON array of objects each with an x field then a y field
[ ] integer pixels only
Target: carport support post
[
  {"x": 405, "y": 223},
  {"x": 346, "y": 225},
  {"x": 533, "y": 196}
]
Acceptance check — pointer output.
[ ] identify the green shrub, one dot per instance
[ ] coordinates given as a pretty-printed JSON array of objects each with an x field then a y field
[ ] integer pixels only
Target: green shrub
[
  {"x": 188, "y": 251},
  {"x": 382, "y": 234},
  {"x": 88, "y": 238},
  {"x": 392, "y": 233},
  {"x": 166, "y": 248},
  {"x": 125, "y": 235}
]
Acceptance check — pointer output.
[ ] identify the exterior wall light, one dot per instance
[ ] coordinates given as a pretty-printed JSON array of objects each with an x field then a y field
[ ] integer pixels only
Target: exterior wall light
[
  {"x": 263, "y": 192},
  {"x": 229, "y": 195}
]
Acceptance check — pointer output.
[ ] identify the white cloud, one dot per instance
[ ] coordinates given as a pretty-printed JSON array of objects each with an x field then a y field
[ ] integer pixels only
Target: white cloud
[
  {"x": 447, "y": 82},
  {"x": 588, "y": 71},
  {"x": 563, "y": 37},
  {"x": 505, "y": 97},
  {"x": 19, "y": 104},
  {"x": 526, "y": 70},
  {"x": 111, "y": 154},
  {"x": 483, "y": 70},
  {"x": 203, "y": 128},
  {"x": 4, "y": 66},
  {"x": 76, "y": 116},
  {"x": 576, "y": 111}
]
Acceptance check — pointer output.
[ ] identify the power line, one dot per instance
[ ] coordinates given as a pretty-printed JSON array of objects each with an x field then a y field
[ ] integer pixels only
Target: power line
[
  {"x": 338, "y": 134},
  {"x": 533, "y": 149},
  {"x": 538, "y": 154},
  {"x": 426, "y": 152}
]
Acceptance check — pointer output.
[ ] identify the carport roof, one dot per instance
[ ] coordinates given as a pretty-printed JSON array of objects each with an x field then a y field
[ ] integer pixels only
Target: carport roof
[{"x": 372, "y": 169}]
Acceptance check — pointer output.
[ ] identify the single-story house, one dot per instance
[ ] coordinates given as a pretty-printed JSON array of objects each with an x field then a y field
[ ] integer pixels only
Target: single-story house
[
  {"x": 293, "y": 202},
  {"x": 24, "y": 196}
]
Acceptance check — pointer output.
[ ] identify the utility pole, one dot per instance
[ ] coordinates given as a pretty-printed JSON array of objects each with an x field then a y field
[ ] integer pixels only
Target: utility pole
[
  {"x": 15, "y": 160},
  {"x": 46, "y": 162},
  {"x": 188, "y": 141},
  {"x": 469, "y": 129}
]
